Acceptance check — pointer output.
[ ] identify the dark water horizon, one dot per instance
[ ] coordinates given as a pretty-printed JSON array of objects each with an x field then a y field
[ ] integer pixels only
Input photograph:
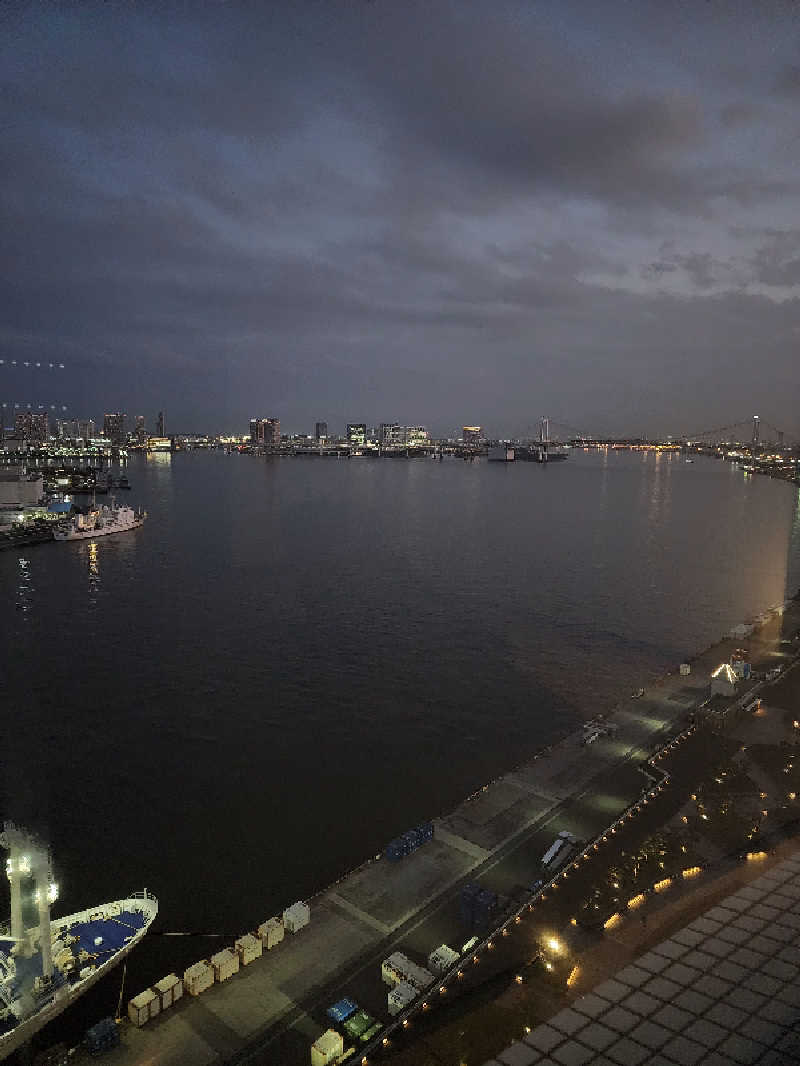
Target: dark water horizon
[{"x": 296, "y": 659}]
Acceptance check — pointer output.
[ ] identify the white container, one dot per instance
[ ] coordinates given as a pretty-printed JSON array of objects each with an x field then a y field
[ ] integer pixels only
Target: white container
[
  {"x": 271, "y": 932},
  {"x": 685, "y": 669},
  {"x": 165, "y": 989},
  {"x": 400, "y": 997},
  {"x": 399, "y": 968},
  {"x": 442, "y": 959},
  {"x": 139, "y": 1008},
  {"x": 296, "y": 917},
  {"x": 198, "y": 978},
  {"x": 327, "y": 1048},
  {"x": 248, "y": 947},
  {"x": 225, "y": 964}
]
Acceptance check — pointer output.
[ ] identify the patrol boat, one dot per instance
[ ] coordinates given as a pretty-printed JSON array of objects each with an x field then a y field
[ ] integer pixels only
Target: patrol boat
[
  {"x": 45, "y": 968},
  {"x": 99, "y": 522}
]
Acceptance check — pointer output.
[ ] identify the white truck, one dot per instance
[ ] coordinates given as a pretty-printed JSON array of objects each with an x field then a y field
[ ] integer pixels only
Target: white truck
[{"x": 559, "y": 852}]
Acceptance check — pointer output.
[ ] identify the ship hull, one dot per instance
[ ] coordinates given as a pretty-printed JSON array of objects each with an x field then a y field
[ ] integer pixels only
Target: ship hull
[
  {"x": 18, "y": 1036},
  {"x": 89, "y": 533}
]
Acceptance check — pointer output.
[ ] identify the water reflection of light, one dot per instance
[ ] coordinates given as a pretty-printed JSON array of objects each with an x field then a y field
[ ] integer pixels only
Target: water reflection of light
[
  {"x": 24, "y": 586},
  {"x": 93, "y": 566}
]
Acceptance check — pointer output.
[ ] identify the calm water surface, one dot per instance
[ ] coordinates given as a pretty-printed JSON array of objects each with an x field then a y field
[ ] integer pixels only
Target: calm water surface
[{"x": 294, "y": 660}]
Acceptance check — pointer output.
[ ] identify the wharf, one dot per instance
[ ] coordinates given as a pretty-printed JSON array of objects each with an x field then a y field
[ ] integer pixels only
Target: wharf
[
  {"x": 26, "y": 539},
  {"x": 272, "y": 1010}
]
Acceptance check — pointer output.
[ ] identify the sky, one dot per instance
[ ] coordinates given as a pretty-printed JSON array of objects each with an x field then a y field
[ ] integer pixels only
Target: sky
[{"x": 432, "y": 212}]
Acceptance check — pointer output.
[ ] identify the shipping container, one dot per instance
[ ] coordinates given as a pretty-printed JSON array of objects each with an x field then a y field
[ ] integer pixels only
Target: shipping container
[
  {"x": 271, "y": 932},
  {"x": 359, "y": 1025},
  {"x": 327, "y": 1048},
  {"x": 248, "y": 947},
  {"x": 342, "y": 1010},
  {"x": 399, "y": 967},
  {"x": 169, "y": 990},
  {"x": 468, "y": 894},
  {"x": 559, "y": 851},
  {"x": 225, "y": 964},
  {"x": 484, "y": 907},
  {"x": 139, "y": 1007},
  {"x": 411, "y": 840},
  {"x": 442, "y": 959},
  {"x": 296, "y": 917},
  {"x": 198, "y": 977},
  {"x": 400, "y": 997}
]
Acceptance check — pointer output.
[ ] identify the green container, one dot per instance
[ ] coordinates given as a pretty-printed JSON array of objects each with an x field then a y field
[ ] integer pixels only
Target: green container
[{"x": 358, "y": 1023}]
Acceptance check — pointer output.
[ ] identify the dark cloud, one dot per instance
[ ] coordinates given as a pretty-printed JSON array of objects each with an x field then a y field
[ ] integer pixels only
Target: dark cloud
[
  {"x": 777, "y": 262},
  {"x": 411, "y": 211},
  {"x": 788, "y": 81}
]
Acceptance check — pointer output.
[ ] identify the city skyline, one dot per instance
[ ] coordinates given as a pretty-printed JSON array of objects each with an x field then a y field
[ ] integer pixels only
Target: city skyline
[{"x": 426, "y": 210}]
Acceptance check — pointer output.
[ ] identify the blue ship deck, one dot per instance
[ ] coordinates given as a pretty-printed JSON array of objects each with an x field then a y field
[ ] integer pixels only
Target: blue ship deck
[{"x": 115, "y": 933}]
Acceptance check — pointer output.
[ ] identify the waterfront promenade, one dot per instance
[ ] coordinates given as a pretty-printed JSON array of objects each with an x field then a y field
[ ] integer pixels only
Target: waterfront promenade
[{"x": 274, "y": 1008}]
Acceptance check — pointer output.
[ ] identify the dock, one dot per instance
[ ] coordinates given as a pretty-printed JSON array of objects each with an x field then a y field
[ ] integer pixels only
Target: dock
[{"x": 275, "y": 1008}]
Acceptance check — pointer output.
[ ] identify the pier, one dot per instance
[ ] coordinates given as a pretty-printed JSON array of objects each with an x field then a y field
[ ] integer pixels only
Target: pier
[{"x": 274, "y": 1008}]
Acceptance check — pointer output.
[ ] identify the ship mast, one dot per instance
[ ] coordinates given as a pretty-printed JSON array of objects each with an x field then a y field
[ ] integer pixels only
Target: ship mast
[{"x": 29, "y": 857}]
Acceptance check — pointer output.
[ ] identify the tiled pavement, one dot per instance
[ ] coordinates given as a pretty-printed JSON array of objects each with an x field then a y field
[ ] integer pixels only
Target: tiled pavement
[{"x": 724, "y": 991}]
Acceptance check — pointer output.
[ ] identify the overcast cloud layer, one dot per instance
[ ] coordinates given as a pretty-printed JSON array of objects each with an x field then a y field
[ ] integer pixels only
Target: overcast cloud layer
[{"x": 425, "y": 212}]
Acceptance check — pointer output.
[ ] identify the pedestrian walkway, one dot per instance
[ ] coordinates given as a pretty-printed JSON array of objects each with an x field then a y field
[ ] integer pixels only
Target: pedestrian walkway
[{"x": 723, "y": 991}]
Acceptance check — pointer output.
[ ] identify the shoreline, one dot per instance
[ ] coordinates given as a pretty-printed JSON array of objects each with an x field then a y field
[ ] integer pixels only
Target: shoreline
[{"x": 379, "y": 907}]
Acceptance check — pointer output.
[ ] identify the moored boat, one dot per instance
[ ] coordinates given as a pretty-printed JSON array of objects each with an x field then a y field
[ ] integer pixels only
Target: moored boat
[
  {"x": 99, "y": 522},
  {"x": 45, "y": 968}
]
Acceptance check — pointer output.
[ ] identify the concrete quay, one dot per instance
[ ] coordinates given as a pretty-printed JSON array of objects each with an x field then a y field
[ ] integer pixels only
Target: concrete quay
[{"x": 273, "y": 1009}]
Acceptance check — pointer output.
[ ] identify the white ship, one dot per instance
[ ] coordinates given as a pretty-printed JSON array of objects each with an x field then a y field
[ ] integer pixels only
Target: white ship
[
  {"x": 45, "y": 968},
  {"x": 99, "y": 522}
]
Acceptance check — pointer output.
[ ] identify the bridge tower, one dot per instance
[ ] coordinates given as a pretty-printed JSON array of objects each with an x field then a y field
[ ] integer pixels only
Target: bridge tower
[
  {"x": 756, "y": 431},
  {"x": 544, "y": 439}
]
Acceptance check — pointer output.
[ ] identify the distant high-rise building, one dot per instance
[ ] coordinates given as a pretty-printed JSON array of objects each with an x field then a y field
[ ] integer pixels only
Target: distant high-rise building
[
  {"x": 161, "y": 425},
  {"x": 415, "y": 436},
  {"x": 114, "y": 428},
  {"x": 387, "y": 433},
  {"x": 471, "y": 434},
  {"x": 32, "y": 426},
  {"x": 87, "y": 429},
  {"x": 265, "y": 432},
  {"x": 357, "y": 433},
  {"x": 321, "y": 430},
  {"x": 140, "y": 431}
]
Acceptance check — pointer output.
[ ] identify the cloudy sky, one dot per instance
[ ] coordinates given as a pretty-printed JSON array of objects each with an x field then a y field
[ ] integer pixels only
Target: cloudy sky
[{"x": 389, "y": 210}]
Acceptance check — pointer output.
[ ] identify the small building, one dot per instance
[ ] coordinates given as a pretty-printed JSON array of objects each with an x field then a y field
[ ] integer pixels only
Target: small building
[
  {"x": 685, "y": 669},
  {"x": 723, "y": 681},
  {"x": 327, "y": 1048}
]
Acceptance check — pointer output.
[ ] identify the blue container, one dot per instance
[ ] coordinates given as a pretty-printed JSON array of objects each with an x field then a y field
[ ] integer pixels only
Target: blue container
[
  {"x": 342, "y": 1010},
  {"x": 409, "y": 841},
  {"x": 396, "y": 850},
  {"x": 469, "y": 894}
]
